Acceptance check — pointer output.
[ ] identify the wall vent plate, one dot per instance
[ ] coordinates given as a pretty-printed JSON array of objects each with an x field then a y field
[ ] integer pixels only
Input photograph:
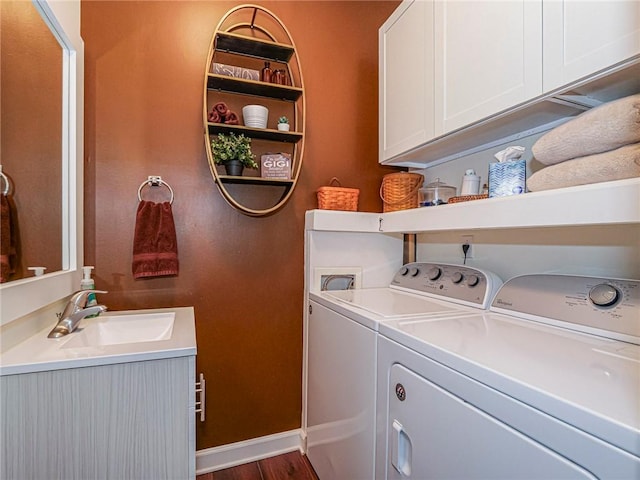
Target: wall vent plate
[{"x": 336, "y": 278}]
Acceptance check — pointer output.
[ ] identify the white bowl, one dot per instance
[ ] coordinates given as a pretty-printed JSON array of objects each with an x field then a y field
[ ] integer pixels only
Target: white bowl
[{"x": 255, "y": 116}]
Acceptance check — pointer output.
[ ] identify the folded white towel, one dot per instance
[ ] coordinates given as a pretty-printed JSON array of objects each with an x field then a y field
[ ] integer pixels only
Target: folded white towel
[
  {"x": 623, "y": 162},
  {"x": 606, "y": 127}
]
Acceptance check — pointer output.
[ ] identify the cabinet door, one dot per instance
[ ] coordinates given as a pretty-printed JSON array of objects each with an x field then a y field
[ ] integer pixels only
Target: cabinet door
[
  {"x": 582, "y": 37},
  {"x": 128, "y": 420},
  {"x": 406, "y": 79},
  {"x": 487, "y": 59}
]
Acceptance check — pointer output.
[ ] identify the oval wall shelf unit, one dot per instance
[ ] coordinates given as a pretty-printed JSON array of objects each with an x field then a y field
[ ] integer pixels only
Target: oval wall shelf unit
[{"x": 247, "y": 39}]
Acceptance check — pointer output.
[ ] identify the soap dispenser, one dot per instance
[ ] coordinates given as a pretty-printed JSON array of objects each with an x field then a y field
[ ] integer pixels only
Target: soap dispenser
[{"x": 87, "y": 283}]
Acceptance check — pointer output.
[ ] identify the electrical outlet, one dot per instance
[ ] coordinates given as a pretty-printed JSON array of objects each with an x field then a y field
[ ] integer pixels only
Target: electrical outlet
[{"x": 467, "y": 240}]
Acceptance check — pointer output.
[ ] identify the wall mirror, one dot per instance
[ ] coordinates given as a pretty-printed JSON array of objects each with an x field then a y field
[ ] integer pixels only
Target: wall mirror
[
  {"x": 41, "y": 140},
  {"x": 31, "y": 138}
]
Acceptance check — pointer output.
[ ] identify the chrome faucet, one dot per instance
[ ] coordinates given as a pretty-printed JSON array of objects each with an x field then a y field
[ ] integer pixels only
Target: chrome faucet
[{"x": 75, "y": 311}]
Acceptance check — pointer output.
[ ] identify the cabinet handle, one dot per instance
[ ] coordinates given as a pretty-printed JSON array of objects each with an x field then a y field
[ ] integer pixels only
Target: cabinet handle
[
  {"x": 200, "y": 397},
  {"x": 400, "y": 449}
]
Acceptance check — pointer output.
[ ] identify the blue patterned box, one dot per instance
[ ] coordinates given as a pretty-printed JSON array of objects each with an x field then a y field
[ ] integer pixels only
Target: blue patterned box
[{"x": 507, "y": 178}]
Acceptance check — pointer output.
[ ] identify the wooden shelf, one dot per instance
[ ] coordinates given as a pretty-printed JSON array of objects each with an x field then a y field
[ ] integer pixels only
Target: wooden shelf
[
  {"x": 285, "y": 99},
  {"x": 253, "y": 47},
  {"x": 275, "y": 182},
  {"x": 252, "y": 87},
  {"x": 259, "y": 133}
]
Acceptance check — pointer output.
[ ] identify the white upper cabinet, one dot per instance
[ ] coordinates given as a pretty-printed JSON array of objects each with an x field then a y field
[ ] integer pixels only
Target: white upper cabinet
[
  {"x": 583, "y": 37},
  {"x": 406, "y": 79},
  {"x": 487, "y": 59},
  {"x": 456, "y": 75}
]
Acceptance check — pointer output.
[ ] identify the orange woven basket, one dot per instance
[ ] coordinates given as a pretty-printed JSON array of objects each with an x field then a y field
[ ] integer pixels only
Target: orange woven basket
[
  {"x": 399, "y": 191},
  {"x": 337, "y": 197}
]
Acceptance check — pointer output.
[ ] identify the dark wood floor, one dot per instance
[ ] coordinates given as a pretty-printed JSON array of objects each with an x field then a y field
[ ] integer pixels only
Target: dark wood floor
[{"x": 291, "y": 465}]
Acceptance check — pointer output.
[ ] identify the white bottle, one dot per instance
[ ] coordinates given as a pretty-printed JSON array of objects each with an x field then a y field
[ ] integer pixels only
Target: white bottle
[
  {"x": 470, "y": 183},
  {"x": 87, "y": 283},
  {"x": 37, "y": 271}
]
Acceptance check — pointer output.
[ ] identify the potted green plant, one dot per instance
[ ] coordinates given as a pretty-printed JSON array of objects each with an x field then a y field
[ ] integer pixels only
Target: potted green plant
[
  {"x": 234, "y": 152},
  {"x": 283, "y": 124}
]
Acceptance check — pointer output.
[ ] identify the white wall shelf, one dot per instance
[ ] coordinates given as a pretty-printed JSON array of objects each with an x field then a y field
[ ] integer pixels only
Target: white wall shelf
[
  {"x": 340, "y": 221},
  {"x": 608, "y": 203}
]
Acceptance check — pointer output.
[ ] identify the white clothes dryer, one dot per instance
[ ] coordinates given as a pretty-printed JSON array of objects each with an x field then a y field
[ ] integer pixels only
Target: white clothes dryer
[
  {"x": 341, "y": 356},
  {"x": 545, "y": 385}
]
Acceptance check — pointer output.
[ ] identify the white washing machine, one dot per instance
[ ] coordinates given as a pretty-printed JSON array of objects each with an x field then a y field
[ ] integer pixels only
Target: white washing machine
[
  {"x": 342, "y": 349},
  {"x": 545, "y": 385}
]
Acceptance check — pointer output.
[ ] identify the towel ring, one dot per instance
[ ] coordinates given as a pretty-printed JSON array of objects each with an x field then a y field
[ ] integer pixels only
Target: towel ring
[
  {"x": 7, "y": 185},
  {"x": 154, "y": 181}
]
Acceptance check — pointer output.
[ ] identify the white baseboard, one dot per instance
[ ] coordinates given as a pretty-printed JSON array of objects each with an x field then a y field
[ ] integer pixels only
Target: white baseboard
[{"x": 233, "y": 454}]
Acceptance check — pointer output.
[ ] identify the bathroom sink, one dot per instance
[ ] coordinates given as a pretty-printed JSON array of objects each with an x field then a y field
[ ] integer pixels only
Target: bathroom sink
[{"x": 122, "y": 329}]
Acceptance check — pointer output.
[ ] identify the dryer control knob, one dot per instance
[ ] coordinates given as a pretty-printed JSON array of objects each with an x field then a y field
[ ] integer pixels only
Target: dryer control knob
[
  {"x": 457, "y": 277},
  {"x": 414, "y": 271},
  {"x": 404, "y": 271},
  {"x": 473, "y": 280},
  {"x": 604, "y": 295},
  {"x": 434, "y": 273}
]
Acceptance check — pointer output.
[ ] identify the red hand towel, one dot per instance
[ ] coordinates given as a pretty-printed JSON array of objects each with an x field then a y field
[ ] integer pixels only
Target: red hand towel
[
  {"x": 8, "y": 243},
  {"x": 214, "y": 117},
  {"x": 155, "y": 249},
  {"x": 232, "y": 118},
  {"x": 222, "y": 109}
]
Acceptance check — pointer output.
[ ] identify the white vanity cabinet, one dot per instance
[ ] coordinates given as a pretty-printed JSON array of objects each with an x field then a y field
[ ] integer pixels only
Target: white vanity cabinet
[
  {"x": 129, "y": 420},
  {"x": 583, "y": 37},
  {"x": 406, "y": 82}
]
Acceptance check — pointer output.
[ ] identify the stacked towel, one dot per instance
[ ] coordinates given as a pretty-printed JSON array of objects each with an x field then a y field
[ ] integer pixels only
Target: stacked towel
[
  {"x": 8, "y": 239},
  {"x": 155, "y": 248},
  {"x": 220, "y": 113},
  {"x": 600, "y": 145},
  {"x": 618, "y": 164}
]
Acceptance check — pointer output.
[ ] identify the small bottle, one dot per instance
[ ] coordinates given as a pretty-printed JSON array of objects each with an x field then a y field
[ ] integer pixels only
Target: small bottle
[
  {"x": 37, "y": 271},
  {"x": 87, "y": 283},
  {"x": 285, "y": 78},
  {"x": 277, "y": 77},
  {"x": 265, "y": 73}
]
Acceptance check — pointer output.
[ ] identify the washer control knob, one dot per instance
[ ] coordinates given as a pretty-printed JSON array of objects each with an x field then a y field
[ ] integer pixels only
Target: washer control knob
[
  {"x": 457, "y": 277},
  {"x": 414, "y": 271},
  {"x": 434, "y": 273},
  {"x": 604, "y": 295},
  {"x": 473, "y": 280},
  {"x": 404, "y": 271}
]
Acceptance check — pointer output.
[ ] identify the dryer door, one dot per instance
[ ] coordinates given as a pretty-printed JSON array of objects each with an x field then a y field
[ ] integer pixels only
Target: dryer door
[{"x": 433, "y": 434}]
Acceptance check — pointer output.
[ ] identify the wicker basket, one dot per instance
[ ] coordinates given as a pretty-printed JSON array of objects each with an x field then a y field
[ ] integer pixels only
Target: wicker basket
[
  {"x": 467, "y": 198},
  {"x": 334, "y": 197},
  {"x": 399, "y": 191}
]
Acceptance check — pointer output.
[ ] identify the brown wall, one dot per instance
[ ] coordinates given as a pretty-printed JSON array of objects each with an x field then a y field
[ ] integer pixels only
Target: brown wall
[{"x": 144, "y": 64}]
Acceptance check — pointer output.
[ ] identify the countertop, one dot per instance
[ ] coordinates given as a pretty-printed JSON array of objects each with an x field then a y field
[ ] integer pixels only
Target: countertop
[{"x": 39, "y": 353}]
